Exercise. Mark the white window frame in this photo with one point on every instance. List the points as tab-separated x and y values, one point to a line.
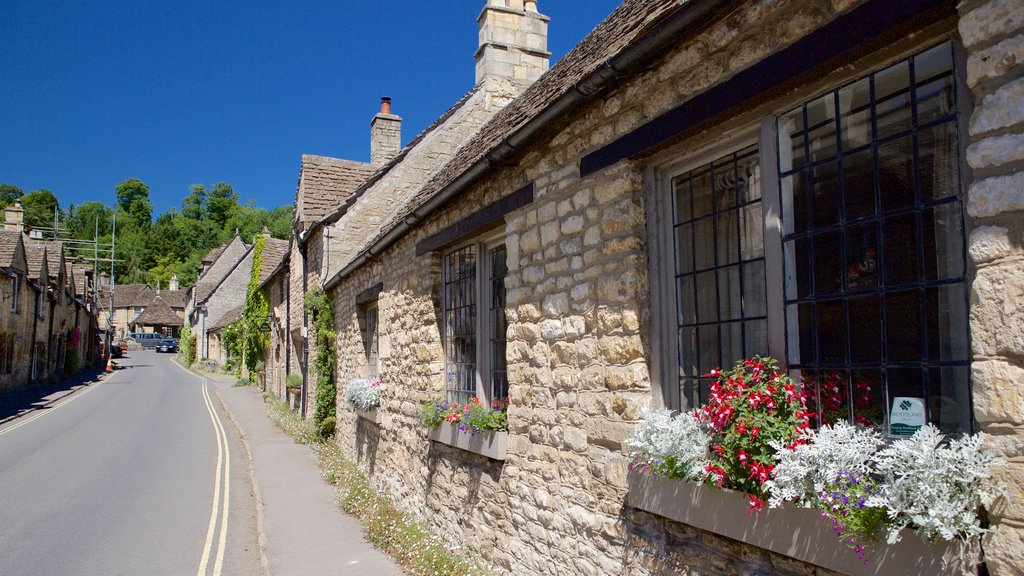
484	330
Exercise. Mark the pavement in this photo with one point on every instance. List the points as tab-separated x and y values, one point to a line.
302	530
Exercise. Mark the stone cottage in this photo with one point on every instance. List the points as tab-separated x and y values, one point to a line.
15	312
836	184
215	268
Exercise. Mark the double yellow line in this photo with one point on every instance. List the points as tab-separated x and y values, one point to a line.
221	495
59	404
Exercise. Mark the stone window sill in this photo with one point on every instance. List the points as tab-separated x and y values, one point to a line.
373	416
493	445
800	533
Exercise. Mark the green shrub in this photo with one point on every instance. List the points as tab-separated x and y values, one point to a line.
326	428
293	381
242	382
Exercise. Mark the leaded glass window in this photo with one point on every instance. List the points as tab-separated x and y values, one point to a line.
873	245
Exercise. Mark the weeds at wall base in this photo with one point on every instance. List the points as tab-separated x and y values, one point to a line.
400	534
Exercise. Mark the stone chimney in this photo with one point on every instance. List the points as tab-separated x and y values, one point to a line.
14	217
104	280
385	135
174	285
513	42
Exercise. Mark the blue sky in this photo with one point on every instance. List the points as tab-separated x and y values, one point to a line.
182	92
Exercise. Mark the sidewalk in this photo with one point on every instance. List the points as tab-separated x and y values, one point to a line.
302	529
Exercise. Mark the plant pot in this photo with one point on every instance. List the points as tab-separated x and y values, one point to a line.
800	533
493	445
369	415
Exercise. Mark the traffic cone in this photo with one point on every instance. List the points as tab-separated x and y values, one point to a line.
110	364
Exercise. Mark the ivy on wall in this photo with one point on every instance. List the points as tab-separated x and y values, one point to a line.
187	344
319	308
255	312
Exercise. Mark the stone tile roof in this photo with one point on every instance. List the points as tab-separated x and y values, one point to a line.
338	211
35	256
174	298
77	273
132	295
626	24
54	255
274	253
228	317
158	313
213	254
8	247
324	184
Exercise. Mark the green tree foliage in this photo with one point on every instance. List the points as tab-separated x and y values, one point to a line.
39	208
8	194
221	203
82	220
193	206
152	251
187	344
133	198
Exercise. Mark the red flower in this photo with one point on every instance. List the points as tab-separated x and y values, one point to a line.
756	504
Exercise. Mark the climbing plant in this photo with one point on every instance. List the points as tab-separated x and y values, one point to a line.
254	315
231	341
186	345
319	308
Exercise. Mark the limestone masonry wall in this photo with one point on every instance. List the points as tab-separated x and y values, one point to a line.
578	311
993	36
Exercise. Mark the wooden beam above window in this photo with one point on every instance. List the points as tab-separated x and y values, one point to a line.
477	221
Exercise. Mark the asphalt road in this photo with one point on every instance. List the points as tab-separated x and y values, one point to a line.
129	476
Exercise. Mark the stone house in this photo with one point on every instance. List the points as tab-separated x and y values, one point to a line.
216	351
215	268
340	202
128	302
49	333
280	358
226	295
15	312
836	184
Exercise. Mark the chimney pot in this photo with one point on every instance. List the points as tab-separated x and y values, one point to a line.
385	105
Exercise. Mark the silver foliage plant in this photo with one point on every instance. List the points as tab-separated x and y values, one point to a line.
803	473
671	445
934	486
927	482
363	393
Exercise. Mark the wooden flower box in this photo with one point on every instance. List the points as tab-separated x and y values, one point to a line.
493	445
800	533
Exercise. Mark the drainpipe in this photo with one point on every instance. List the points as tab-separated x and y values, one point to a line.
32	344
287	327
49	335
305	328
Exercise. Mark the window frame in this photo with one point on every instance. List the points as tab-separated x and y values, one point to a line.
760	128
371	349
16	293
484	331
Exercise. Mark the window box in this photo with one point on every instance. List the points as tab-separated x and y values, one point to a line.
373	416
493	445
800	533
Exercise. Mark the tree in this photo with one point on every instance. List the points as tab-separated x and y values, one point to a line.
9	193
193	206
40	206
221	203
82	220
133	198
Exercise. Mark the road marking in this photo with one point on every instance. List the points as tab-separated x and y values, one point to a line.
222	482
60	404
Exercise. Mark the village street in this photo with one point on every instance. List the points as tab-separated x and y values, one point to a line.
136	474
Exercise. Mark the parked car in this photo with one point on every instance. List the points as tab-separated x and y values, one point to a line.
146	339
167	345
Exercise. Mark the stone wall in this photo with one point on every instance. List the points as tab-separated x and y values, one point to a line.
276	355
993	35
19	327
578	352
